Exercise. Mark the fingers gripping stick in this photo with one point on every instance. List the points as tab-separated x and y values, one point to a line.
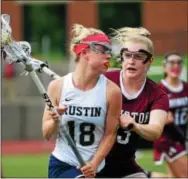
20	53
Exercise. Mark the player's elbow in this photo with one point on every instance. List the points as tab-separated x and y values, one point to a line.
46	134
157	132
156	136
153	137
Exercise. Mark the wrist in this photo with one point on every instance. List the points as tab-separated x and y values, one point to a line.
136	127
94	164
56	121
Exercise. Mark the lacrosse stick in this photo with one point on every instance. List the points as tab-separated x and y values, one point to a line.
16	54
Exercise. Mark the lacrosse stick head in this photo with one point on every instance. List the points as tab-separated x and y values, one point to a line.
10	58
11	51
6	33
37	64
6	30
25	46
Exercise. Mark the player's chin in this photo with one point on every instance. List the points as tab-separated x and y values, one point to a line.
132	75
175	75
104	69
100	69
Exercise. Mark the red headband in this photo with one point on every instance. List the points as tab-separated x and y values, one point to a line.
91	38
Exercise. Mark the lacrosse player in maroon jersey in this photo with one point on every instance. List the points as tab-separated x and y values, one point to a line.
171	145
144	106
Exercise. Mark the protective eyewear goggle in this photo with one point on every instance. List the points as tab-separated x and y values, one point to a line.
141	55
99	47
173	62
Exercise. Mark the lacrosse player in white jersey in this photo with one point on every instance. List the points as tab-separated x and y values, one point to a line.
89	105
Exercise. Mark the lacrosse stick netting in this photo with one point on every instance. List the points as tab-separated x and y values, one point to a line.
38	65
16	54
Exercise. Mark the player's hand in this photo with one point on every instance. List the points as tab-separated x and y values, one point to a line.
88	170
127	122
60	111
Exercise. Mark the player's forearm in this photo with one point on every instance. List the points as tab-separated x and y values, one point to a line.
104	148
49	128
148	131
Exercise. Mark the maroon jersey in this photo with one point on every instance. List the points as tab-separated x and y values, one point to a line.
151	97
178	105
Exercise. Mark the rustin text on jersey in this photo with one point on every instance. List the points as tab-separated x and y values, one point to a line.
83	111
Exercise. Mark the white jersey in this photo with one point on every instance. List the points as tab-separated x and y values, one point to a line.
85	119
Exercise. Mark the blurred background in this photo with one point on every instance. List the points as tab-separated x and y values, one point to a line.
46	26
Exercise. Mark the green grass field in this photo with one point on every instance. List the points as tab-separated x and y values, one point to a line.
36	165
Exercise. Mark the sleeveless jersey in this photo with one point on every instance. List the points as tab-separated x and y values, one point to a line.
178	105
85	119
151	97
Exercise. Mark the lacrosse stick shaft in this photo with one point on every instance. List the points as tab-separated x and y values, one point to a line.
40	66
50	73
42	91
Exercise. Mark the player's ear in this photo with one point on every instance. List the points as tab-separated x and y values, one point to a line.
152	59
83	53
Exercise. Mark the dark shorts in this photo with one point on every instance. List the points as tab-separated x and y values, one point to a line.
59	169
167	149
120	169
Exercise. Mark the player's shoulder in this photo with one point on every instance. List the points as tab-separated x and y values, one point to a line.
55	84
113	75
151	84
113	87
114	95
113	91
185	84
113	72
156	88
